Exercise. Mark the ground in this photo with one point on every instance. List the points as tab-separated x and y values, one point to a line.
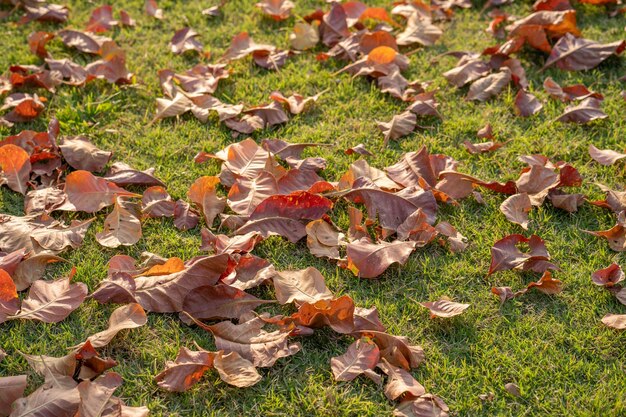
554	347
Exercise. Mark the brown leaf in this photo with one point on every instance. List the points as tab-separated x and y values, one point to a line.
219	301
242	45
395	349
547	284
609	276
370	260
156	202
57	397
419	31
11	388
506	255
323	240
276	9
37	43
203	193
166	293
122	174
428	405
537	182
526	104
476	148
152	9
616	236
129	316
415	168
567	202
334	26
97	398
90	194
260	347
52	301
399	125
224	244
304	36
303	286
101	19
458	242
57	237
361	355
9	302
489	86
235	370
16	167
585	112
32	269
392	209
400	383
184	217
338	314
575	54
83	41
185	371
281	214
605	156
121	226
81	154
358	149
555	23
444	308
616	321
185	40
467	70
296	102
516	208
513	389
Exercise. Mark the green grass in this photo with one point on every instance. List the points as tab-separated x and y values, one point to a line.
553	347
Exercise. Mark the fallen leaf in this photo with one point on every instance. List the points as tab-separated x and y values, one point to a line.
370	260
526	104
186	370
400	383
235	370
302	286
516	208
489	86
122	226
16	167
444	308
81	154
129	316
361	355
90	194
585	112
609	276
399	125
52	301
513	389
575	54
605	156
616	321
11	389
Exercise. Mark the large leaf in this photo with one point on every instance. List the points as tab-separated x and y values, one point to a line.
361	355
574	54
15	165
52	301
302	286
370	260
88	193
121	227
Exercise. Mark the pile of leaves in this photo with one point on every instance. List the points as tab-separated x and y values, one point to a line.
271	189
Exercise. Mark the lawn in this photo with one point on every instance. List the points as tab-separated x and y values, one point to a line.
553	347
